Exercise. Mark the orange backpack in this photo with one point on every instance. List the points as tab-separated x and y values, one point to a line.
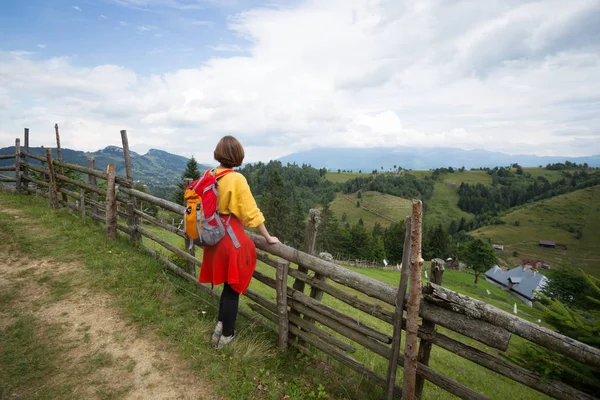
201	220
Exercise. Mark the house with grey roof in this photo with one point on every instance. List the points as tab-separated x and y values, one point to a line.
521	281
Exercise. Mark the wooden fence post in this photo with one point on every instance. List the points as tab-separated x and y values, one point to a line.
412	312
25	167
18	165
52	194
111	203
399	312
282	306
82	202
59	157
189	245
308	246
91	163
132	219
436	272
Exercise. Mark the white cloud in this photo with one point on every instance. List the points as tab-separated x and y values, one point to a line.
41	46
227	48
123	23
76	8
102	17
145	28
504	75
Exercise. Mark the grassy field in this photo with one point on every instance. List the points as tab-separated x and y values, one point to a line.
339	177
556	219
393	207
166	304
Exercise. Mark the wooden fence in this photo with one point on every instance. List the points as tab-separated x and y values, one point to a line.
302	320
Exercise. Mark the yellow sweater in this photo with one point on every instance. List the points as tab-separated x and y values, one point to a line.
236	198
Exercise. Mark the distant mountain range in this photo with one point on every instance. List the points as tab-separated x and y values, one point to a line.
420	158
155	167
158	167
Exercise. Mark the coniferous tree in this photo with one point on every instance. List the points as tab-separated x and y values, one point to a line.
276	207
191	172
393	241
328	234
297	226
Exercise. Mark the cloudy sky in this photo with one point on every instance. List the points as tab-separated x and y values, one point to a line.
289	75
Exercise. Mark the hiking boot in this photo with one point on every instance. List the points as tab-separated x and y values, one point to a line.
214	339
225	340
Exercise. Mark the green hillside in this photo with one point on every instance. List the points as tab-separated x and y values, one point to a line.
561	219
339	177
375	207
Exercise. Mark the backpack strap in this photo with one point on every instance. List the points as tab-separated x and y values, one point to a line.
222	173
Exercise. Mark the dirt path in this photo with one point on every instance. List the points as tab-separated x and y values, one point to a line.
102	354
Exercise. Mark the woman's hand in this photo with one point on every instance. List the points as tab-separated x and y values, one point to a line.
265	233
272	240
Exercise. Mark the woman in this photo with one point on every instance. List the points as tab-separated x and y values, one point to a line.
227	262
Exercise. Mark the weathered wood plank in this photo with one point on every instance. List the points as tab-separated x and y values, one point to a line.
169	246
93	184
18	165
52	195
157	222
282	306
167	205
6	156
436	274
399	311
59	159
38	182
8	168
41	159
4	178
428	373
412	311
318	307
545	337
26	150
111	203
512	371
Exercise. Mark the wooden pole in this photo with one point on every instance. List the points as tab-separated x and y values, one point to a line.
132	218
189	246
282	306
58	150
310	241
308	246
397	320
111	203
436	272
412	312
82	202
25	169
52	194
91	162
59	157
18	165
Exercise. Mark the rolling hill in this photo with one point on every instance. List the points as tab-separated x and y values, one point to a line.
572	219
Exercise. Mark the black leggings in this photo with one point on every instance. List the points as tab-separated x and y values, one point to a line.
228	309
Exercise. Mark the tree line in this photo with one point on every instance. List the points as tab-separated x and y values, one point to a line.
511	189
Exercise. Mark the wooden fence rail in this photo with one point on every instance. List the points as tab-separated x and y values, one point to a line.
303	320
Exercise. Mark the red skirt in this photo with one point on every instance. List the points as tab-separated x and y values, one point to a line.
224	263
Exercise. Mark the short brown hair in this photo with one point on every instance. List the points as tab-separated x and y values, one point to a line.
229	152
